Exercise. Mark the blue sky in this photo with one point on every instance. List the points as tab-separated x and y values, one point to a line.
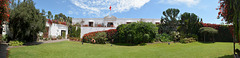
205	9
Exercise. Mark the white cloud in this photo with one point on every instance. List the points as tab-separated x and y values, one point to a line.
189	3
101	7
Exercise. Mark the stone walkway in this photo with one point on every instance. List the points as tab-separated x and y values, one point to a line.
4	46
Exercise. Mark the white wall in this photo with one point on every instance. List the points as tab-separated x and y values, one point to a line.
85	30
55	30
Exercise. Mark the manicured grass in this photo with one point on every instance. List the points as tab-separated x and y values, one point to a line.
69	49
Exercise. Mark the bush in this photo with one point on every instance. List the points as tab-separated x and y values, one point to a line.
100	38
225	32
157	38
110	34
59	37
187	40
134	33
74	31
15	43
176	35
4	37
166	38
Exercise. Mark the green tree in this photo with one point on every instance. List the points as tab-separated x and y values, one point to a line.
170	19
189	23
43	12
56	17
26	21
50	16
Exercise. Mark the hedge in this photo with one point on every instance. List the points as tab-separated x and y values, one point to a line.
136	33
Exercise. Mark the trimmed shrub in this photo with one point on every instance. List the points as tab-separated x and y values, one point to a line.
110	34
15	43
166	38
157	38
99	38
94	36
187	40
135	33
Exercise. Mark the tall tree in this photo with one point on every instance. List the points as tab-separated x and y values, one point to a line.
50	16
26	21
170	19
189	23
43	12
56	17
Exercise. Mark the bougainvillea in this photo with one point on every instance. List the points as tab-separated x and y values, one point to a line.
216	26
55	21
230	11
89	36
4	10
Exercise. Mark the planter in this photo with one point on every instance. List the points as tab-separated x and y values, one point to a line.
54	38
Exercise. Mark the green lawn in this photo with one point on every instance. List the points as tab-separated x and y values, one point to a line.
69	49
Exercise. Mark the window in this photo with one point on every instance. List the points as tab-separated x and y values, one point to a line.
129	22
90	24
110	24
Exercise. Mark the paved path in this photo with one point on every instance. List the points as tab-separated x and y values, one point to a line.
4	47
3	50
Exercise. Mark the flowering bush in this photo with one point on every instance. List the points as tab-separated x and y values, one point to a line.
216	26
91	37
4	10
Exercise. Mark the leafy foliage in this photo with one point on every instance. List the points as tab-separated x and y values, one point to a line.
208	31
170	20
229	10
4	10
189	23
136	33
176	35
225	32
187	40
15	43
100	38
74	31
26	21
166	38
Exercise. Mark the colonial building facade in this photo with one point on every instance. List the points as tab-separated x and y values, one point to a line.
108	22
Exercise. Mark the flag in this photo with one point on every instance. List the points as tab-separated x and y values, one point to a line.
110	8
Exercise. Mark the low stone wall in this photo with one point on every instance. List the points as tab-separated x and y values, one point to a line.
85	30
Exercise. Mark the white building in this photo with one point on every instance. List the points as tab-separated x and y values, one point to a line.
55	29
106	23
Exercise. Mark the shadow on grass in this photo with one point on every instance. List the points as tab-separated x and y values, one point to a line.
33	43
128	44
207	42
227	56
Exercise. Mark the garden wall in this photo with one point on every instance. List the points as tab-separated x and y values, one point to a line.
85	30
